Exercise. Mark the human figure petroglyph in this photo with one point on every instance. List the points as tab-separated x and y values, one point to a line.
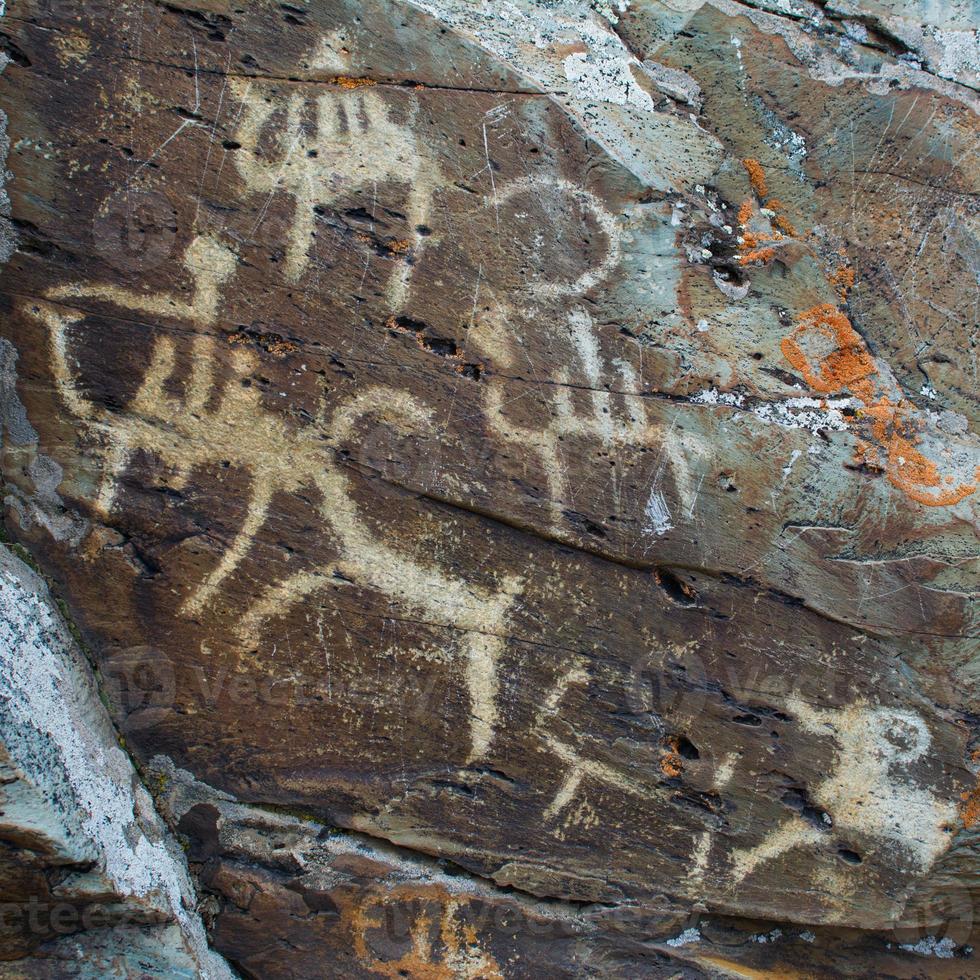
616	415
340	141
228	423
603	423
210	265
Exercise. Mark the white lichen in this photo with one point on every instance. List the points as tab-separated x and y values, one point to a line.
943	948
60	739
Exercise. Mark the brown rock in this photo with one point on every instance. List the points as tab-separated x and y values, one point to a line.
512	468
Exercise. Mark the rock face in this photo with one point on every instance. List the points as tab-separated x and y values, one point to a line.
514	469
84	850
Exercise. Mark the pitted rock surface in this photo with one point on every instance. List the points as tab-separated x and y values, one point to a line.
514	467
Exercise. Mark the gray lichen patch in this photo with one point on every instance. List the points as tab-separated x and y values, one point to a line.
34	498
69	792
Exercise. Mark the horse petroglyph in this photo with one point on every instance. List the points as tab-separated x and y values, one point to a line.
329	146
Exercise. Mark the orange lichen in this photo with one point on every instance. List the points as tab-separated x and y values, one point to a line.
907	468
866	454
914	471
685	588
745	213
751	242
752	239
346	81
399	246
757	255
431	345
832	357
670	762
784	225
970	810
842	279
280	348
270	342
780	220
848	365
757	177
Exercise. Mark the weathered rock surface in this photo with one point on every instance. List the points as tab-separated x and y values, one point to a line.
515	468
83	849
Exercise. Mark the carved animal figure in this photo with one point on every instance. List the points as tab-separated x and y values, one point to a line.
189	433
329	146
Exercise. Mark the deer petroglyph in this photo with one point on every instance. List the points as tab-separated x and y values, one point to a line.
228	422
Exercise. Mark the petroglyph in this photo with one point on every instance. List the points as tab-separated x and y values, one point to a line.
210	265
616	415
587	202
228	423
614	419
618	420
868	791
578	767
699	859
421	589
330	146
187	434
483	476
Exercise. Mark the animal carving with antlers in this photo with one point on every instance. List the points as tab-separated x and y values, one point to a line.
187	434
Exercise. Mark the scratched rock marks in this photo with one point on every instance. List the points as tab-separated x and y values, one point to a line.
515	470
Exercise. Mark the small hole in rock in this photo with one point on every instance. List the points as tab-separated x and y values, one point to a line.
680	592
